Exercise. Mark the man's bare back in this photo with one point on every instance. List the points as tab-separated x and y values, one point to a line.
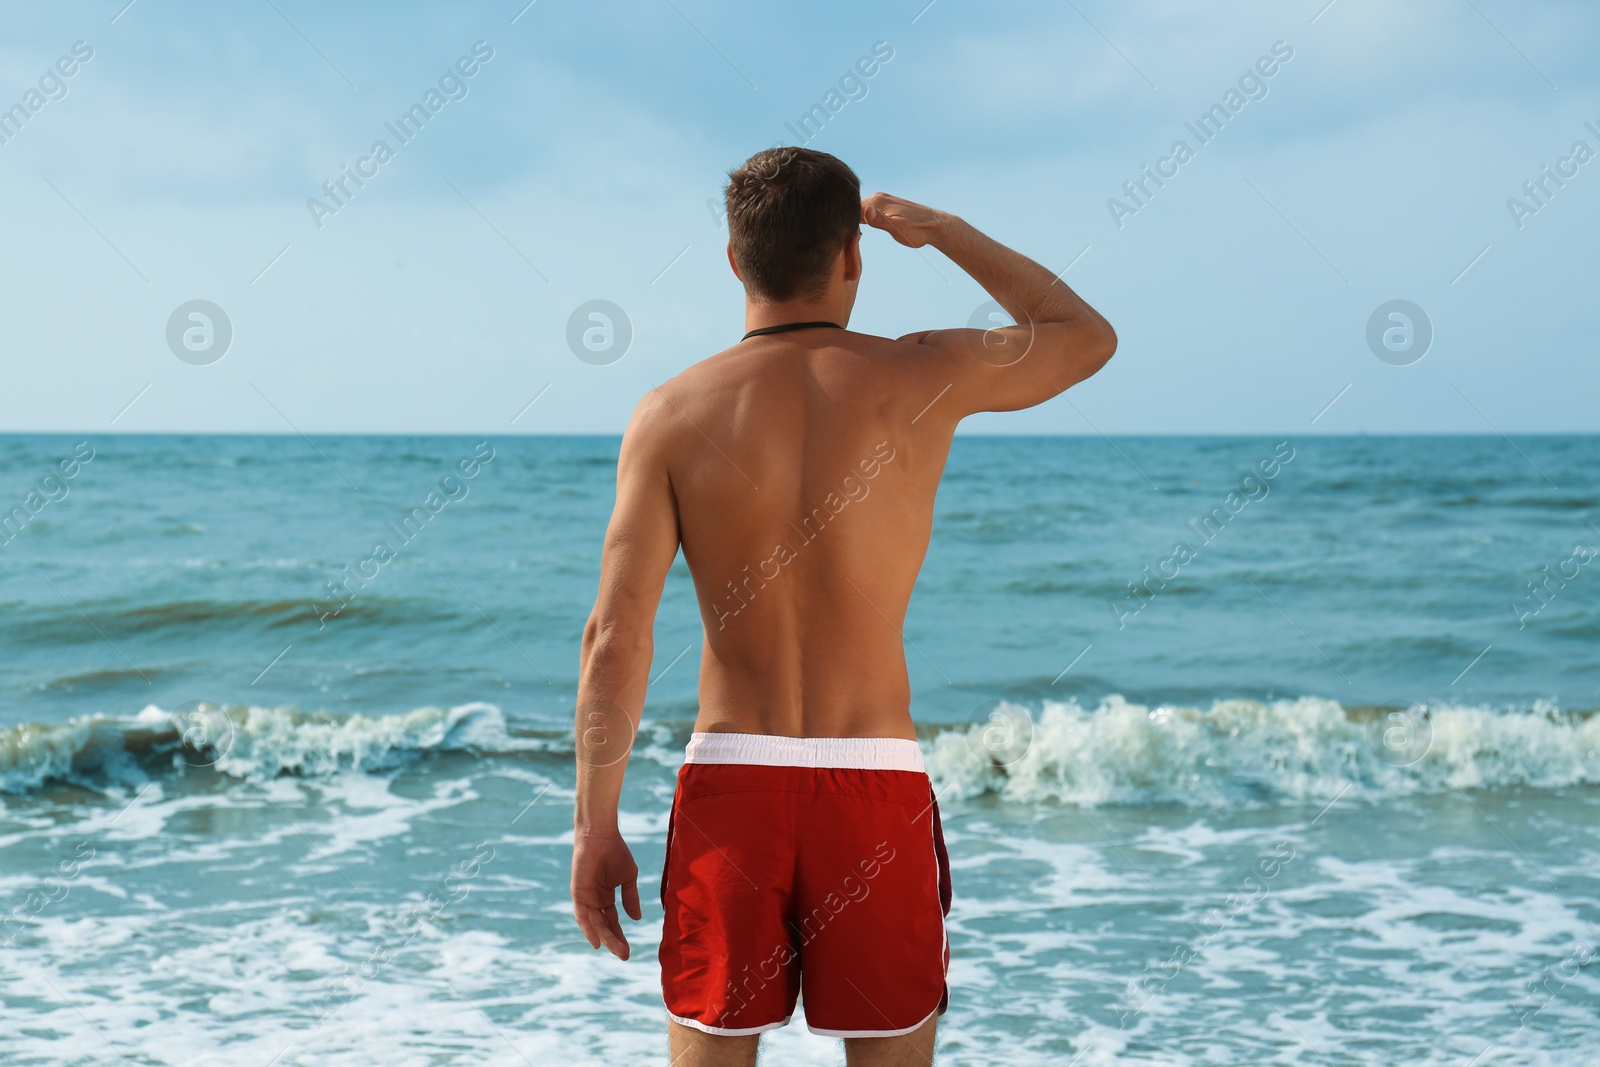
797	472
805	484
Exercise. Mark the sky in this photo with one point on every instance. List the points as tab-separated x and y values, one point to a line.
583	157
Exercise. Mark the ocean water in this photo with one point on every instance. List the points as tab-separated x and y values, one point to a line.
1272	751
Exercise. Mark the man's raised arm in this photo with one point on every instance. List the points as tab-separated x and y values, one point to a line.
1059	340
614	669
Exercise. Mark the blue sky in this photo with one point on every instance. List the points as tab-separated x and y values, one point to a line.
579	162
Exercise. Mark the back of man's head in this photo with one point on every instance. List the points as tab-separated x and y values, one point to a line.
790	210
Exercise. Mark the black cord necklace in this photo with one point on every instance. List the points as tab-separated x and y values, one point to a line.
785	327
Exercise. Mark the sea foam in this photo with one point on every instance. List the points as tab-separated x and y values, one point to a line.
1119	752
1247	750
244	741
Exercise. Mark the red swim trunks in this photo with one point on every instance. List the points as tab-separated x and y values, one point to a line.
804	864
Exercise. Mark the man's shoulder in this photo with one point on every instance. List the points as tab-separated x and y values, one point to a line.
912	350
654	417
674	407
880	344
711	383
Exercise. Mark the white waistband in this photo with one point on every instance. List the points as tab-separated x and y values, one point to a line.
771	750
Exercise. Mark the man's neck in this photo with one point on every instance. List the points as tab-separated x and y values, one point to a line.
759	316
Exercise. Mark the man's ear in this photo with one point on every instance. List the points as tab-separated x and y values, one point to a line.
734	266
852	257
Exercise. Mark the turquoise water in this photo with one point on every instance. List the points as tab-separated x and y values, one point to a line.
1321	787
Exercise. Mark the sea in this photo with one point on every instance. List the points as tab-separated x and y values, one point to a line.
1265	750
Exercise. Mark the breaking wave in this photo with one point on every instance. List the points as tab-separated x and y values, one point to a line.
1117	753
245	742
1252	751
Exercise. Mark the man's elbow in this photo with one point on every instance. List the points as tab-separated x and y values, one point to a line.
611	638
1102	346
1089	346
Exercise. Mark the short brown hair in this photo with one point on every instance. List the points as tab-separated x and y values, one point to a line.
789	211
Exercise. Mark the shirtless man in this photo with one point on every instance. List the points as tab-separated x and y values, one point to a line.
797	471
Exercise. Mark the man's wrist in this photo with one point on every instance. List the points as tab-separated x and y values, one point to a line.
948	231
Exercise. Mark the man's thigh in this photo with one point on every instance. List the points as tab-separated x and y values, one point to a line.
696	1048
908	1050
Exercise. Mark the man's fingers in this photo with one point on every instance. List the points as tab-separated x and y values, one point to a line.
878	220
906	230
586	924
872	210
611	933
597	872
600	927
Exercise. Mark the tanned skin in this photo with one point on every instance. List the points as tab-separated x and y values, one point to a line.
728	461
